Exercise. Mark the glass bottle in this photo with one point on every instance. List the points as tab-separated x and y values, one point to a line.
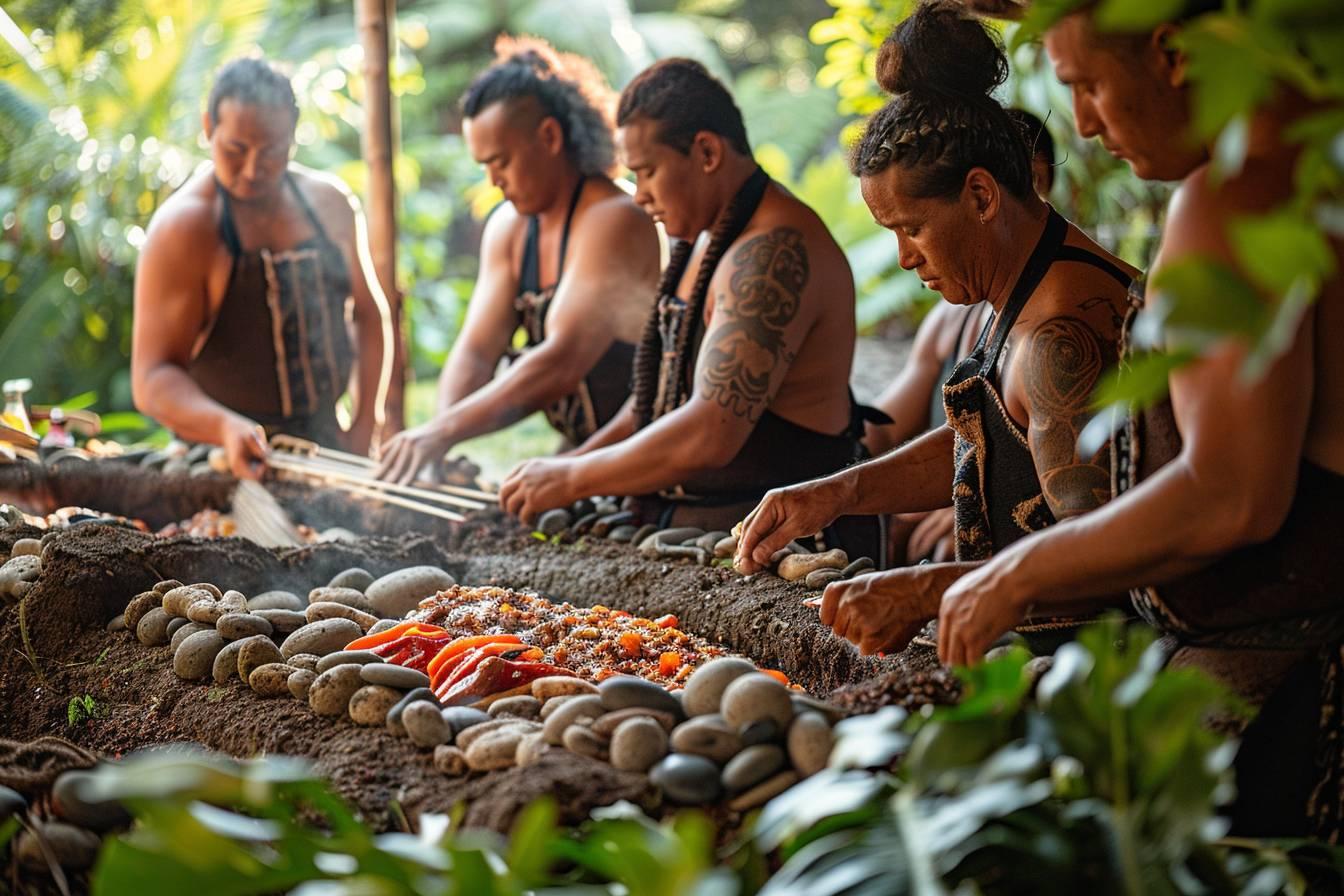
15	414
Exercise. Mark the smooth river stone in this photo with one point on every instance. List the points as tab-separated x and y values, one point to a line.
688	780
705	687
232	626
464	717
340	657
394	714
708	736
637	744
391	676
552	686
370	704
583	706
299	682
255	652
195	656
141	604
326	609
321	638
68	801
271	679
764	791
152	629
810	740
282	621
225	665
331	691
752	766
523	706
183	632
398	593
425	725
755	698
625	691
355	577
347	596
276	600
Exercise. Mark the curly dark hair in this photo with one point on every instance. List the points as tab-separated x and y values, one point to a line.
253	82
943	68
684	99
566	87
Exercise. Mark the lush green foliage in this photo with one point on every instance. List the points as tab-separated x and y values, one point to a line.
1106	781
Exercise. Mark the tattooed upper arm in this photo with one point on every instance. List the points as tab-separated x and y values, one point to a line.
747	348
1063	361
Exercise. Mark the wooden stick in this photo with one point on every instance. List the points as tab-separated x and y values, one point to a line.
401	502
359	485
314	450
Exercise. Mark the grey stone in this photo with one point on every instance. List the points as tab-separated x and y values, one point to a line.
756	697
761	731
463	717
284	622
321	638
637	744
764	792
117	623
370	704
705	687
818	579
708	736
300	681
752	766
425	725
276	600
232	626
195	656
523	706
581	739
623	691
74	848
346	596
606	725
71	804
355	577
553	522
340	657
391	676
398	593
175	624
394	714
584	706
810	740
225	665
686	779
255	651
331	691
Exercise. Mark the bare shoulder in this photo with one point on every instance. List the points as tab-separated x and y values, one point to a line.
503	232
331	198
614	217
1203	206
188	221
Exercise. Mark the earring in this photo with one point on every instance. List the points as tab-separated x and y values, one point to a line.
982	218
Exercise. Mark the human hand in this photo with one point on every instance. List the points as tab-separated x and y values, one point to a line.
975	611
928	532
783	515
245	447
882	611
406	454
536	486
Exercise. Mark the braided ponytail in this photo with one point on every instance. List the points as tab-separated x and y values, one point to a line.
649	376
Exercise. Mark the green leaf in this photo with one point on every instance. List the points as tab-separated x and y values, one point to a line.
1206	299
1130	15
1280	248
1141	382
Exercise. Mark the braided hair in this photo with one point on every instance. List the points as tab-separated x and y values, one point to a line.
648	375
943	121
566	87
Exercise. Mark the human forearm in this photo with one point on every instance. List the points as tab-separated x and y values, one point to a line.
168	395
466	372
618	429
914	478
657	457
534	382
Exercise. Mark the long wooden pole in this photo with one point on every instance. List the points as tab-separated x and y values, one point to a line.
374	20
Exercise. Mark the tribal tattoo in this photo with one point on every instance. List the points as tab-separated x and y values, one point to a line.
764	295
1065	357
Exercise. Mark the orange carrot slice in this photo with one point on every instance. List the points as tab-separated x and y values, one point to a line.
777	676
396	631
459	646
669	661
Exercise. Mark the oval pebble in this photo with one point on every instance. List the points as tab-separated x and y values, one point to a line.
463	717
117	623
581	739
321	638
685	779
276	600
381	626
394	714
328	610
347	596
725	547
300	681
370	704
624	691
425	725
494	751
141	604
450	760
304	661
797	566
165	586
331	691
553	522
183	632
708	736
341	657
523	706
622	534
256	651
761	731
754	698
608	723
752	766
355	577
586	705
74	848
70	803
232	626
705	687
560	686
195	656
179	600
176	623
764	791
392	676
863	564
225	665
271	679
809	741
820	578
11	803
284	622
398	593
26	547
152	629
637	744
531	746
476	732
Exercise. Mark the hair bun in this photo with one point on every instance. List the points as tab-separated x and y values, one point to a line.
940	49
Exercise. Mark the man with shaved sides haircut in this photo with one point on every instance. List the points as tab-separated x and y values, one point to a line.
742	376
254	303
568	258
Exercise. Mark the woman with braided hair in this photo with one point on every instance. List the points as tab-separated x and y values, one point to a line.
540	123
742	377
944	167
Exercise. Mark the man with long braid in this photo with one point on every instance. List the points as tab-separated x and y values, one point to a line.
742	377
567	257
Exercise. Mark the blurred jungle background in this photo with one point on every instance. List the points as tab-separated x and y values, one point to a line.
100	104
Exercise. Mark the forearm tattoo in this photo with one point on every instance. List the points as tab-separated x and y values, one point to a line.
1065	357
764	295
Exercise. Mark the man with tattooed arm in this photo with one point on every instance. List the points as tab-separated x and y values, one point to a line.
741	378
944	167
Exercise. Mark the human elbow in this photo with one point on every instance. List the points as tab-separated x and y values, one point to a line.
1243	513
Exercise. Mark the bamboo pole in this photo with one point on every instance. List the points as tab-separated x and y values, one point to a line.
374	20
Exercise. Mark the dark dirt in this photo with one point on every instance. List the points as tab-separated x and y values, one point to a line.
93	569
